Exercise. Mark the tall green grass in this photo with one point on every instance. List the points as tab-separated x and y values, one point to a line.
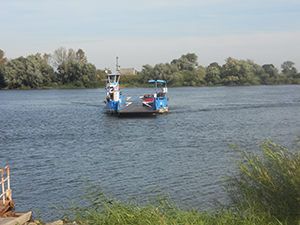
264	190
104	209
268	185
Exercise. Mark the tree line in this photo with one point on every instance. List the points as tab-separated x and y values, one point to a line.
64	68
69	68
185	71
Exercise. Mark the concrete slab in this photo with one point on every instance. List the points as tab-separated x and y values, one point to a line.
59	222
23	218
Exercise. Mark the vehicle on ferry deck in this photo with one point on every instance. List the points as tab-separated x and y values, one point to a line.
148	99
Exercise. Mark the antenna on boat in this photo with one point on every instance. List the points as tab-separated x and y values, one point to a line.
117	65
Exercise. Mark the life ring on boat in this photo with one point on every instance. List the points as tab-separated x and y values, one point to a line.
119	87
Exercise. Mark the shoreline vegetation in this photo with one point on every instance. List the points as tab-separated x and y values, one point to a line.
70	69
265	189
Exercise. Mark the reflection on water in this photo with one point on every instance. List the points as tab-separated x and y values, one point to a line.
53	138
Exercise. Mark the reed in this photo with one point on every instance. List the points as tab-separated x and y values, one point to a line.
101	208
268	185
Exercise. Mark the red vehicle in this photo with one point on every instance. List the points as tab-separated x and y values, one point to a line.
148	99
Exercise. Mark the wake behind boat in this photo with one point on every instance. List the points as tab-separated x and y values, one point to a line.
149	104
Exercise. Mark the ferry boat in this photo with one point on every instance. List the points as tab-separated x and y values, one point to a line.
149	104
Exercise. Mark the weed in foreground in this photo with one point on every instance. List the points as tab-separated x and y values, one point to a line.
268	185
101	208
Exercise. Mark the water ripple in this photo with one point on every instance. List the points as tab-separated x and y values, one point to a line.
53	138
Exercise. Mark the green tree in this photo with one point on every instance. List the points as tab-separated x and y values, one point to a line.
147	73
14	72
194	78
271	70
3	60
288	69
271	75
76	73
31	72
213	74
159	71
200	75
257	72
237	72
191	57
183	64
184	69
167	72
47	58
2	82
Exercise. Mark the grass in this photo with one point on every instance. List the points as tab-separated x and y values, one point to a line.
103	209
268	184
265	190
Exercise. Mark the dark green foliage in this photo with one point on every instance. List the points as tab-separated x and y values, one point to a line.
2	83
131	80
270	70
288	69
238	72
213	74
182	71
35	71
3	61
31	72
78	73
191	57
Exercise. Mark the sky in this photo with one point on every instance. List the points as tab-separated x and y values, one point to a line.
150	32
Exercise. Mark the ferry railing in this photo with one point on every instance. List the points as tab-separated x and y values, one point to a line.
6	194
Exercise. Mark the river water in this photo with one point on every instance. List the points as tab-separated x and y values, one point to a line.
52	138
